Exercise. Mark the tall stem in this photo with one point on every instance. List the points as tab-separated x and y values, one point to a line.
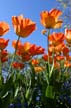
1	78
17	45
14	54
48	40
48	64
0	63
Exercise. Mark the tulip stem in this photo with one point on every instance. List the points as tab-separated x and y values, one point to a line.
14	54
16	46
48	40
0	62
0	67
48	51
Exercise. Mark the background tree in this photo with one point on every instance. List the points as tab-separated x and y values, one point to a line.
65	5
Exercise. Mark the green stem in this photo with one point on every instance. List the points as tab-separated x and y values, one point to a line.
0	63
14	54
48	40
52	67
1	78
48	51
17	45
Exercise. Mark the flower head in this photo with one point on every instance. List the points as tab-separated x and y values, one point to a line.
25	57
36	50
4	28
35	62
3	56
50	19
23	26
39	69
22	48
44	32
18	65
65	50
56	38
3	43
68	35
67	64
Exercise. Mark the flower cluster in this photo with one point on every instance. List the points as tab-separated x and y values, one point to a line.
34	75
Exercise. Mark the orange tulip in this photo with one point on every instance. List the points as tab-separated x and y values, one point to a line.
51	49
65	50
35	62
14	42
4	53
27	50
68	57
59	57
4	28
57	65
56	49
17	65
67	64
3	43
59	48
4	59
3	56
23	48
68	35
45	58
23	26
25	57
56	38
44	32
50	19
36	50
39	69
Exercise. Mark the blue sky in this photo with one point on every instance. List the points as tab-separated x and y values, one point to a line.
30	9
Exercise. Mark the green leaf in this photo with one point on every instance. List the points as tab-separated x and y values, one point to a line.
6	87
51	71
50	92
27	93
16	92
6	101
48	67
